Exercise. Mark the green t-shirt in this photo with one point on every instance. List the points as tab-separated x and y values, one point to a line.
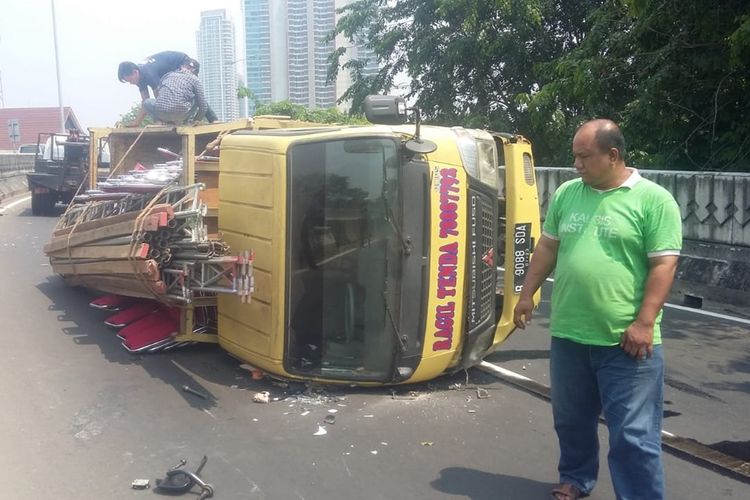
606	239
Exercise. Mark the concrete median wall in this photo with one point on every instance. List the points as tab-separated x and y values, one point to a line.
715	209
13	170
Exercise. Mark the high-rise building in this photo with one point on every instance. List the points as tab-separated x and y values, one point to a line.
216	54
258	48
287	50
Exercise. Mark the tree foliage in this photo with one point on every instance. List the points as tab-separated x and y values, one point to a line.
299	112
674	73
132	114
243	91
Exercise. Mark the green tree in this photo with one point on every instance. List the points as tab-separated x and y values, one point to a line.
243	91
467	61
299	112
674	73
130	116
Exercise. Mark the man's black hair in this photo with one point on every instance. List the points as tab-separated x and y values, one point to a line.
610	136
125	69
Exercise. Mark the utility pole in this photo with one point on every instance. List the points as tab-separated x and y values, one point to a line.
2	100
57	67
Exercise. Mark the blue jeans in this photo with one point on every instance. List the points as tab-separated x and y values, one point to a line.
589	380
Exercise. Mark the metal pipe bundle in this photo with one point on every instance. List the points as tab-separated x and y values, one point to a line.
147	245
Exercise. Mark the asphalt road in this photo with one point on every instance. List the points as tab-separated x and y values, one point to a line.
81	418
707	378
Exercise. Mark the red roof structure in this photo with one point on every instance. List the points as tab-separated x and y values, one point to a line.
32	121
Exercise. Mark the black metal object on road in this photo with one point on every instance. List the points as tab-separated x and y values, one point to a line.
180	480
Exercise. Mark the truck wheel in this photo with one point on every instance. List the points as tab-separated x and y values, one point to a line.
36	203
43	203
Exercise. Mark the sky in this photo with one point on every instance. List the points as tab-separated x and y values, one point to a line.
93	37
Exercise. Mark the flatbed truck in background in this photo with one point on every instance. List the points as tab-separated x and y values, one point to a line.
61	164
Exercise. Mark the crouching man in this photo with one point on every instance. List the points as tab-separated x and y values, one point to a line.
180	99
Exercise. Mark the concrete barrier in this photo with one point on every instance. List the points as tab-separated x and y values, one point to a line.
713	271
13	170
715	210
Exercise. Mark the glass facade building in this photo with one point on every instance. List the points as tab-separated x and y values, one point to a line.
216	54
287	52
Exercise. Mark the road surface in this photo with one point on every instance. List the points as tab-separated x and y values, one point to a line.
82	418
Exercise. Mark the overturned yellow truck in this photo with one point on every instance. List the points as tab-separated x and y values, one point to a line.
383	254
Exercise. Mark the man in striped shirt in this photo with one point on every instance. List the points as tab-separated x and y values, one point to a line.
180	99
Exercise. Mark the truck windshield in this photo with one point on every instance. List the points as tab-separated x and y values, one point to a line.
344	258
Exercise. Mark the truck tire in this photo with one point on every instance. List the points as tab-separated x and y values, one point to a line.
43	203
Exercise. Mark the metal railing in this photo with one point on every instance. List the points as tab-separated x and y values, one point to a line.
715	206
14	163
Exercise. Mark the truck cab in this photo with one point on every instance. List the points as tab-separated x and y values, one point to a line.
376	247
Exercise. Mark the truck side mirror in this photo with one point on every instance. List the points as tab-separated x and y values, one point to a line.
385	109
391	110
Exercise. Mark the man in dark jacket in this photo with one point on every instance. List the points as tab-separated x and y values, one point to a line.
149	74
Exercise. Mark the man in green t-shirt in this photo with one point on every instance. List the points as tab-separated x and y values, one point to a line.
613	239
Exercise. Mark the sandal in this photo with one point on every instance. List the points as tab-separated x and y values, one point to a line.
565	491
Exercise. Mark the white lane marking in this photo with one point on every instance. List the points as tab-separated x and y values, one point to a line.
709	313
504	372
691	309
11	205
512	376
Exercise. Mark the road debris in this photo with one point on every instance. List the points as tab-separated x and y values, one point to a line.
180	480
482	393
140	484
315	396
410	396
330	419
427	443
263	397
192	391
321	431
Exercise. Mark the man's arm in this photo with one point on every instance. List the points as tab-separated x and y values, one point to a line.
638	338
200	99
542	263
136	122
145	95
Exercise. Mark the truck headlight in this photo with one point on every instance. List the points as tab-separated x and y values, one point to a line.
478	155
